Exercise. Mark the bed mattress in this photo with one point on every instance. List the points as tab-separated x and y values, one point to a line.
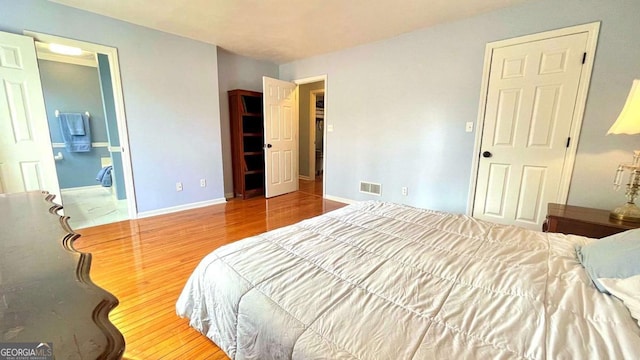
376	280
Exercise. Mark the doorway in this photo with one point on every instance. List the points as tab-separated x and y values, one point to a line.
312	144
292	121
90	177
317	133
96	185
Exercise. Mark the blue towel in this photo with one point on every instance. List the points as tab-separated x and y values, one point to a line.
104	176
75	143
74	122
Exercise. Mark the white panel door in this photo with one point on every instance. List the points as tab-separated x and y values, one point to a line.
530	103
280	136
26	156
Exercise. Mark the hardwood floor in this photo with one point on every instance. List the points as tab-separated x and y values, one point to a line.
311	187
146	262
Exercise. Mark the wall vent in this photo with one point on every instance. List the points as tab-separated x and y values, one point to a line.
370	188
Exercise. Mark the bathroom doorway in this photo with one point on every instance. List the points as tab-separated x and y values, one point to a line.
78	82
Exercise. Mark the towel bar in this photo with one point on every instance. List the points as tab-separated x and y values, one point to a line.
57	112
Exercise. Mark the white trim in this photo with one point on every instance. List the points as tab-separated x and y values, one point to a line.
339	199
93	144
118	97
173	209
593	30
229	195
312	79
80	188
306	178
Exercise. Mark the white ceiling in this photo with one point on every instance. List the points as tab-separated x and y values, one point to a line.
285	30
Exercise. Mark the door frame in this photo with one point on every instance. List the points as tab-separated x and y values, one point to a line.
309	80
121	120
592	29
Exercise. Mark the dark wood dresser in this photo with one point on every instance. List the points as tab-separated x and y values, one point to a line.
45	290
594	223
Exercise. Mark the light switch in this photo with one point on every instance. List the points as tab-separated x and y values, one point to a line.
469	127
330	128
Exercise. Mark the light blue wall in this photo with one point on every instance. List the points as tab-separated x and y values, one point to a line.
237	72
170	89
111	121
399	106
74	88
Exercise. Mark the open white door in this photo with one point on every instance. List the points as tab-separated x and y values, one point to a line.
26	155
280	136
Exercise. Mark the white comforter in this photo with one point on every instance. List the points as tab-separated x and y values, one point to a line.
384	281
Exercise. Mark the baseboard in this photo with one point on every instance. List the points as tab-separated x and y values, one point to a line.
304	177
79	188
339	199
173	209
229	195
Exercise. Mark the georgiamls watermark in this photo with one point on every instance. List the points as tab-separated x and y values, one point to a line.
26	351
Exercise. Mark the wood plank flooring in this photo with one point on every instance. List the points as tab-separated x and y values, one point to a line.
145	264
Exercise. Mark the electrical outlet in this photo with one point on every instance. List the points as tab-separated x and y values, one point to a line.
203	182
469	126
405	191
178	186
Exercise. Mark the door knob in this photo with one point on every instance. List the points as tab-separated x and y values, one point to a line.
487	154
268	146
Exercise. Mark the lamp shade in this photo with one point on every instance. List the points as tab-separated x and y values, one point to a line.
628	121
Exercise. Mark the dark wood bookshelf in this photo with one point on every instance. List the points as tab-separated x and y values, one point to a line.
247	141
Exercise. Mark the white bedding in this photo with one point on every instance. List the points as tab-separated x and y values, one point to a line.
385	281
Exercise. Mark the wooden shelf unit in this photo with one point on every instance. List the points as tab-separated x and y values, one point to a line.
247	142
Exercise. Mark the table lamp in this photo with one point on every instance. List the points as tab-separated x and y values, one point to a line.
628	122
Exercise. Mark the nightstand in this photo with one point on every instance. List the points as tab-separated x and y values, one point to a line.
594	223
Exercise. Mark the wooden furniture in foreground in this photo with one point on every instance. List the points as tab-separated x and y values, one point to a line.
594	223
47	295
247	141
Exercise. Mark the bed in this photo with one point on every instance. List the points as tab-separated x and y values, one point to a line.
376	280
